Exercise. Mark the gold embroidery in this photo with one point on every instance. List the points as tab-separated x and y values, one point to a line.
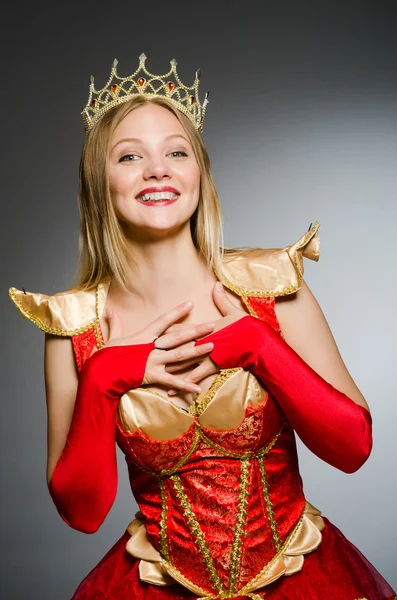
269	506
204	398
197	534
180	463
252	454
163	521
98	329
240	522
259	575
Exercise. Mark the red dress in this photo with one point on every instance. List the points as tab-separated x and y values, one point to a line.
222	508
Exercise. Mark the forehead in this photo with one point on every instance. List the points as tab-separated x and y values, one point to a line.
149	120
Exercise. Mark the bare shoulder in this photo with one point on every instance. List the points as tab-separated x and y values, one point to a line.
307	331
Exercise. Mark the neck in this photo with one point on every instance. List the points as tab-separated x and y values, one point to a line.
166	271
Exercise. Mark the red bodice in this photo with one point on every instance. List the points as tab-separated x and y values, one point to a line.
220	505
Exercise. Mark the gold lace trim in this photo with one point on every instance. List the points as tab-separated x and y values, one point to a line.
222	594
251	454
163	521
240	522
244	293
259	575
199	434
46	328
197	534
269	505
204	398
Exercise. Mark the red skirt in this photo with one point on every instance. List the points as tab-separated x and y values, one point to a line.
335	571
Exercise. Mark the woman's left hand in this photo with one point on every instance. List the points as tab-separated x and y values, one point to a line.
230	314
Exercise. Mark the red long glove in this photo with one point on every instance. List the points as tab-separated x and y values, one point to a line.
84	482
329	423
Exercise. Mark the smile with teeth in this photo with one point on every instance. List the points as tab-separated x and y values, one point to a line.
158	196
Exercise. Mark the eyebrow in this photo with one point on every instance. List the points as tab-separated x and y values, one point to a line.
139	141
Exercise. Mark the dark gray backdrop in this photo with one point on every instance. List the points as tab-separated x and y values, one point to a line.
301	126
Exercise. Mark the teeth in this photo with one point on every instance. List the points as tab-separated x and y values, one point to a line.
154	196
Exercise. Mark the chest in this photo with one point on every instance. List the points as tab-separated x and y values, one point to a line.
88	342
132	318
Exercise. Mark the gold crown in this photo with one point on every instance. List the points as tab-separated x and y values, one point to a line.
120	89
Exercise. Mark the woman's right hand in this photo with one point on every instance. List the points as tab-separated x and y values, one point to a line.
169	347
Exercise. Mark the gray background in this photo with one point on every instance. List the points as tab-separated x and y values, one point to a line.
301	126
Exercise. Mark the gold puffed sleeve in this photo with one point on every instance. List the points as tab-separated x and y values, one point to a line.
264	272
66	313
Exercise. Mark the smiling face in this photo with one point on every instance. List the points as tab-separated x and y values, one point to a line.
154	177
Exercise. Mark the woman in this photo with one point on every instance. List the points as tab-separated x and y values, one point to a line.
200	384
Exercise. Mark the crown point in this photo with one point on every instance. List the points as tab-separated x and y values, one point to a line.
91	79
173	63
115	63
143	57
198	73
206	95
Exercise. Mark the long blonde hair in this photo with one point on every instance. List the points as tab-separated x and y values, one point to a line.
103	246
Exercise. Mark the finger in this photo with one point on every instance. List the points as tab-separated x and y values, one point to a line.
171	381
222	301
184	335
116	329
203	370
180	354
159	325
172	368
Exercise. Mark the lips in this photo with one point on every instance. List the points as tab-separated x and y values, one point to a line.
161	188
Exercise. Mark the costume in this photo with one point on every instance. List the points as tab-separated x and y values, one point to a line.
222	508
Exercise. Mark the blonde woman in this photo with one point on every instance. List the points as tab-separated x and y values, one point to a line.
201	364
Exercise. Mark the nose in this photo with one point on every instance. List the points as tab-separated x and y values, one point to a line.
156	167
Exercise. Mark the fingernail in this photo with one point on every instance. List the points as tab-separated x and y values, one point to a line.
195	388
109	313
209	325
208	346
171	392
218	286
187	304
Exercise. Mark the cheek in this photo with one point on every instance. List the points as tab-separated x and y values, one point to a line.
121	181
194	178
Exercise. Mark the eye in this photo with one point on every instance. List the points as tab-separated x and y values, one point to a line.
178	152
128	156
